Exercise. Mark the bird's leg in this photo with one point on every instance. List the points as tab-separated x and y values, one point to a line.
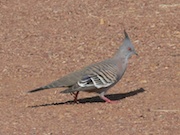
106	99
75	94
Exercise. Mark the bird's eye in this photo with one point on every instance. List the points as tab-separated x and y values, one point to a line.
129	49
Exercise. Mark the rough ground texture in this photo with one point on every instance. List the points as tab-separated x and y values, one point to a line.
43	40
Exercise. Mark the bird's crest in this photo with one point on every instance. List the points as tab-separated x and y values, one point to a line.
126	35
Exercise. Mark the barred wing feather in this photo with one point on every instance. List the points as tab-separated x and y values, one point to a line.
95	80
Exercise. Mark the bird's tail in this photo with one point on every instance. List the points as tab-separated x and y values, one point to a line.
55	84
66	91
39	89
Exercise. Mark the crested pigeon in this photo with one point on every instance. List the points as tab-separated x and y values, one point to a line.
98	77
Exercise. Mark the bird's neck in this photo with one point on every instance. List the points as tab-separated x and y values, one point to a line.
121	61
119	56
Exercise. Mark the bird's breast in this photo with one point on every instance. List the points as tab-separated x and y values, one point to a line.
121	70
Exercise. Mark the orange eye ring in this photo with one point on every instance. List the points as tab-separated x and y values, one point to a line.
129	49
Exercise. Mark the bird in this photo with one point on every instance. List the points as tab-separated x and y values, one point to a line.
98	77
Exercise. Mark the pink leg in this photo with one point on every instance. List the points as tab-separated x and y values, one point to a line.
106	99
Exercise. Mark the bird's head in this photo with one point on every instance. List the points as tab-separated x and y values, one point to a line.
126	49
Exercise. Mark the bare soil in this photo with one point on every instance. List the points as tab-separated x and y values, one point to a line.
41	41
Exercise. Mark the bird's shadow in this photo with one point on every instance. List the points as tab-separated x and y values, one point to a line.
96	99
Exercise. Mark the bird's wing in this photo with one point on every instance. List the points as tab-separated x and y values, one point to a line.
96	81
88	83
95	77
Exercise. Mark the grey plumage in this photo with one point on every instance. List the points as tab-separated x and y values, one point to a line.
98	77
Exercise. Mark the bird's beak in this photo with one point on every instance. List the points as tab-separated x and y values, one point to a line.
136	53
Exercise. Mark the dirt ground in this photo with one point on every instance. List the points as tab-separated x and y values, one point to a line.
43	40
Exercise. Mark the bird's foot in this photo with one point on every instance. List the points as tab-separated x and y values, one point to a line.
111	102
108	100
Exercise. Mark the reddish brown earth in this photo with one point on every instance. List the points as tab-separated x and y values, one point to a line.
41	41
